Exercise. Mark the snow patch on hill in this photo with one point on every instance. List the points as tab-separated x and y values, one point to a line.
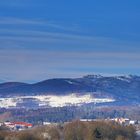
52	100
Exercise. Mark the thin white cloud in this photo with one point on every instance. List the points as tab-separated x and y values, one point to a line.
36	22
10	21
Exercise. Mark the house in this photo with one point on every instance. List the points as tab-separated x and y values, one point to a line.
46	123
133	122
121	120
86	120
18	125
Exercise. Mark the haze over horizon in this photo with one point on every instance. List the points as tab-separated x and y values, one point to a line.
50	39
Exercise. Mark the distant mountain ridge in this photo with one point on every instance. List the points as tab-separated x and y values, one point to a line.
119	87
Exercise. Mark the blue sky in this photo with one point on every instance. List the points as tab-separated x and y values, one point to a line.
41	39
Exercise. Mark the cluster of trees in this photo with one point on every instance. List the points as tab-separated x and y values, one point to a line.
98	131
39	133
75	130
63	114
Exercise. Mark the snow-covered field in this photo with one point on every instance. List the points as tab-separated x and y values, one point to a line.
51	100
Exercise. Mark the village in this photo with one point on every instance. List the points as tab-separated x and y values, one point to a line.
19	126
16	126
122	121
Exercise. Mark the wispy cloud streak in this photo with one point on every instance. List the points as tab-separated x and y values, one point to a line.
36	22
28	53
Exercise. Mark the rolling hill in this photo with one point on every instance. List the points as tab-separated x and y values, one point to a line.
126	88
